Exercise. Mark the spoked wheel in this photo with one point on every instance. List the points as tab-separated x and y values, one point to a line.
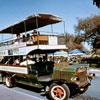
8	82
59	92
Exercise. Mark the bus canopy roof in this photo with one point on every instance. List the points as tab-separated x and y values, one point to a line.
32	22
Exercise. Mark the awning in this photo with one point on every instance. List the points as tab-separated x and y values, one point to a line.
59	53
76	52
32	22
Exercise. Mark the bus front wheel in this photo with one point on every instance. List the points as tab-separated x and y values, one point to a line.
59	92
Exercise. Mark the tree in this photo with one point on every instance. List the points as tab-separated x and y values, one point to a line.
73	42
89	30
97	3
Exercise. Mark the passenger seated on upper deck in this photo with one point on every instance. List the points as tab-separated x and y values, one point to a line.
29	39
27	61
18	35
35	33
16	41
24	38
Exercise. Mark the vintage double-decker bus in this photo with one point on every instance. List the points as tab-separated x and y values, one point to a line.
24	59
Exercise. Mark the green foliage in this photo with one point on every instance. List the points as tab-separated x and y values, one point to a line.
94	61
89	29
74	42
97	3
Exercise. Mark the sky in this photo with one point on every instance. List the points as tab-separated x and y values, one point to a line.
12	11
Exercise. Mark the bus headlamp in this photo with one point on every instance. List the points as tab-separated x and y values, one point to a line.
74	79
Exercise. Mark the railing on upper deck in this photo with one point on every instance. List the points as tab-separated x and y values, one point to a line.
29	39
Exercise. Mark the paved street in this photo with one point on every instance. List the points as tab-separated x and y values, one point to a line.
18	93
21	92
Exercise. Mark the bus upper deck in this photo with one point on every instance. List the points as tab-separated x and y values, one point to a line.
32	22
25	43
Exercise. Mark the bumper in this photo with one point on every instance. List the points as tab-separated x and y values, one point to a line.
83	84
79	83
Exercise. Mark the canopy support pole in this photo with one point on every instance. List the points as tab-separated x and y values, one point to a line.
52	29
25	26
12	41
37	32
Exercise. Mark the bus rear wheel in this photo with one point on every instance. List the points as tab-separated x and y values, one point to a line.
8	82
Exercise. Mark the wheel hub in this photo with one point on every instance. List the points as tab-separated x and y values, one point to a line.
58	92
